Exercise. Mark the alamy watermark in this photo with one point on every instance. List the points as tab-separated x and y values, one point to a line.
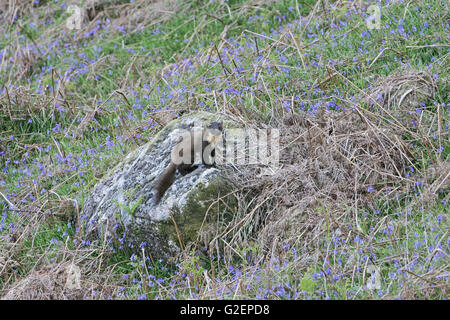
373	281
238	147
75	18
374	19
73	280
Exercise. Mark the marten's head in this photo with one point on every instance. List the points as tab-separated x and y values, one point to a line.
213	132
216	125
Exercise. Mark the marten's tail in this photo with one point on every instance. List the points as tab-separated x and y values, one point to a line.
164	181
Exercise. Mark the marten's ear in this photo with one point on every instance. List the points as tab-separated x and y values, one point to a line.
220	126
216	125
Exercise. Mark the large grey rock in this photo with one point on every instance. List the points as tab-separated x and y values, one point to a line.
122	203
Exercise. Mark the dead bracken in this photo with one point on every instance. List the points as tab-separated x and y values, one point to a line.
330	162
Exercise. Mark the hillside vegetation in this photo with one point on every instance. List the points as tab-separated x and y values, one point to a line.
359	208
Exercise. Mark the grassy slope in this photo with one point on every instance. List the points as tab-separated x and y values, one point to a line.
53	150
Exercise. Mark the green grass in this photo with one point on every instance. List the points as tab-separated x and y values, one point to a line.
133	63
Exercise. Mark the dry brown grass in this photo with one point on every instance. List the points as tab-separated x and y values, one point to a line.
400	94
403	89
133	16
335	164
329	163
76	277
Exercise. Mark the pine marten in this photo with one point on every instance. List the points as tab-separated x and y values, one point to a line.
194	143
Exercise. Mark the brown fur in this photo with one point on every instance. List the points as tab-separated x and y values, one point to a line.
166	179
